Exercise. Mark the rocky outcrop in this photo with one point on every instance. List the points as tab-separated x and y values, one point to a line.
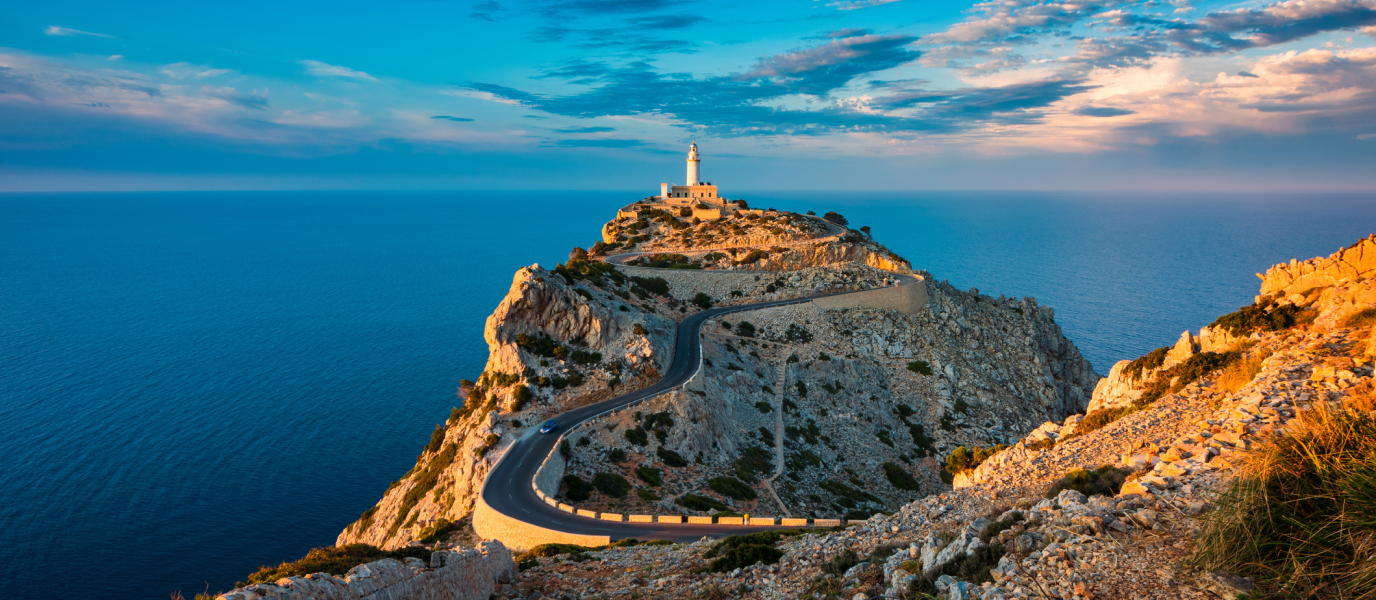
1353	262
471	574
541	303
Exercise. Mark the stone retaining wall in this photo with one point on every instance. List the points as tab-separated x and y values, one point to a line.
470	574
520	536
909	299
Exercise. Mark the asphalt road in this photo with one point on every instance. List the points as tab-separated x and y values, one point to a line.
508	489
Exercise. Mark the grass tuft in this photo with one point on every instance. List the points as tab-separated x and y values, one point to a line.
1301	517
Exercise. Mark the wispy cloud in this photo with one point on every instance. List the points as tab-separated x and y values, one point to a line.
183	70
858	4
67	32
598	143
485	11
257	100
320	69
449	118
586	130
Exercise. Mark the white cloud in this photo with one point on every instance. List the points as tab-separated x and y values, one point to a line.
115	57
66	32
320	69
858	4
183	70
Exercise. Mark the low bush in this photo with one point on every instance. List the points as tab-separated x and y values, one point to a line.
920	367
702	300
547	550
745	329
836	218
670	458
650	475
753	461
739	551
1148	361
522	398
841	562
732	488
900	478
1103	481
764	407
616	455
1301	517
1363	318
576	489
797	335
611	484
974	568
439	531
436	438
1265	315
655	285
699	503
965	459
335	560
638	436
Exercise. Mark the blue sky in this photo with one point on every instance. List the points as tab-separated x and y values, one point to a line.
606	94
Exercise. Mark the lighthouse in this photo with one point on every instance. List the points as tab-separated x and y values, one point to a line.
694	176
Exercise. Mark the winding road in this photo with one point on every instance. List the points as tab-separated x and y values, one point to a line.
508	490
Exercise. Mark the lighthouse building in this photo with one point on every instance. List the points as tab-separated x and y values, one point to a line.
699	197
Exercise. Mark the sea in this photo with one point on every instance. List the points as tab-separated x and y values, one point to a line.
193	385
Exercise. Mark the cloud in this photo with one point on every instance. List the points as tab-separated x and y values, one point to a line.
65	32
1290	20
183	70
485	11
820	69
586	130
255	101
320	69
1101	111
858	4
455	119
598	143
600	7
661	22
1002	20
838	33
115	57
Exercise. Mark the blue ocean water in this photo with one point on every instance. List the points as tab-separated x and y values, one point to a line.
196	384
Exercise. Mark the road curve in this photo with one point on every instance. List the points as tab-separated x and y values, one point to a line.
508	490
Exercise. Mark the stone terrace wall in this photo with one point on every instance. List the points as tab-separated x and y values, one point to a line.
467	575
551	473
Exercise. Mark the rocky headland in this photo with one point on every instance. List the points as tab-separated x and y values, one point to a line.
971	449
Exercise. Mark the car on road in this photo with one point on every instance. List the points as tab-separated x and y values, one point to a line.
549	426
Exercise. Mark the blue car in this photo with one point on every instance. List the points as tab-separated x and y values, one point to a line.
549	426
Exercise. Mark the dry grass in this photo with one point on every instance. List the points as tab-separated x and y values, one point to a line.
1242	372
1301	518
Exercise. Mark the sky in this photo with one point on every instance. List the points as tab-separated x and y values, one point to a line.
607	94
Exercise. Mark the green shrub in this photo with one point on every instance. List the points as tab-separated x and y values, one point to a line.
1103	481
1151	360
436	438
655	285
670	458
764	407
836	218
801	387
523	397
841	562
616	455
637	436
1266	315
745	329
576	489
335	560
753	257
732	488
884	438
740	551
797	335
650	475
900	478
540	345
699	503
583	357
547	550
611	484
964	459
753	461
647	495
847	492
702	300
920	367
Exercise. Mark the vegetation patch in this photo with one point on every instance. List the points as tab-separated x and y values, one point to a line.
764	407
797	335
1103	481
650	475
739	551
699	503
732	488
658	286
576	489
335	560
753	461
920	367
424	482
611	484
1266	315
1301	518
900	478
670	458
637	436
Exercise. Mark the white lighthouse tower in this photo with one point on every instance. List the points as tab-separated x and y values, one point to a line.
694	176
